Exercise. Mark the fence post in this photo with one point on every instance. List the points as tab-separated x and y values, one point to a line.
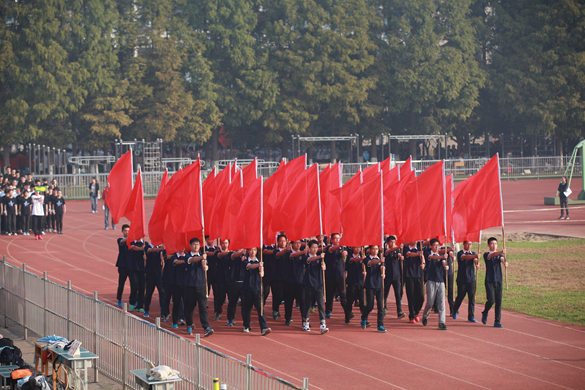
305	383
157	343
198	344
69	310
95	334
24	300
124	342
248	372
45	276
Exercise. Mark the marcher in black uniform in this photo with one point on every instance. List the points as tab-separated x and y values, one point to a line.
467	262
393	260
59	209
9	208
335	274
222	276
563	186
137	262
279	277
49	212
374	285
414	263
493	281
354	281
155	259
178	285
122	263
210	249
168	270
293	287
312	284
268	261
24	211
235	283
195	292
435	278
251	292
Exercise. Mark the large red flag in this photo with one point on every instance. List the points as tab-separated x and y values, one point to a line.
397	201
448	210
223	181
120	179
292	170
250	171
478	201
209	191
361	215
232	203
184	205
342	194
423	202
248	223
271	188
406	168
174	242
371	171
391	200
329	181
302	206
136	217
156	225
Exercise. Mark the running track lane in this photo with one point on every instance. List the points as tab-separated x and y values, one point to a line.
528	352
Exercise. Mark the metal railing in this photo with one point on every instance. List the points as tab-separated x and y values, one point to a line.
122	341
76	186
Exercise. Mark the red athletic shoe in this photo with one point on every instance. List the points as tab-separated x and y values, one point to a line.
36	237
412	321
40	237
417	318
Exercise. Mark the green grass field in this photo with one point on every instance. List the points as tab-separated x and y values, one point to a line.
545	279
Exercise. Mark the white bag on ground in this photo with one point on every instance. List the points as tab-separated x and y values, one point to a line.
161	373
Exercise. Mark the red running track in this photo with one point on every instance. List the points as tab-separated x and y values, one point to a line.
528	353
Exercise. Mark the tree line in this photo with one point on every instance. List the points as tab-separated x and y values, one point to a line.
87	72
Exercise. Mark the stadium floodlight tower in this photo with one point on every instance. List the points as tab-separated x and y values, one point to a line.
571	166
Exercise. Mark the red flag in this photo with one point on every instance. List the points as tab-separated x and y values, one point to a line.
184	205
423	202
302	206
232	203
293	169
330	180
156	225
250	172
120	179
209	191
223	181
137	223
406	168
391	201
361	214
371	171
271	189
174	242
342	194
385	166
448	211
247	232
398	200
478	201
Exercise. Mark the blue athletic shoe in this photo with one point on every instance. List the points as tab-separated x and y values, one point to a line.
208	332
472	320
381	329
230	323
484	317
131	308
363	324
454	315
328	315
275	315
189	331
175	326
146	314
498	325
119	303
